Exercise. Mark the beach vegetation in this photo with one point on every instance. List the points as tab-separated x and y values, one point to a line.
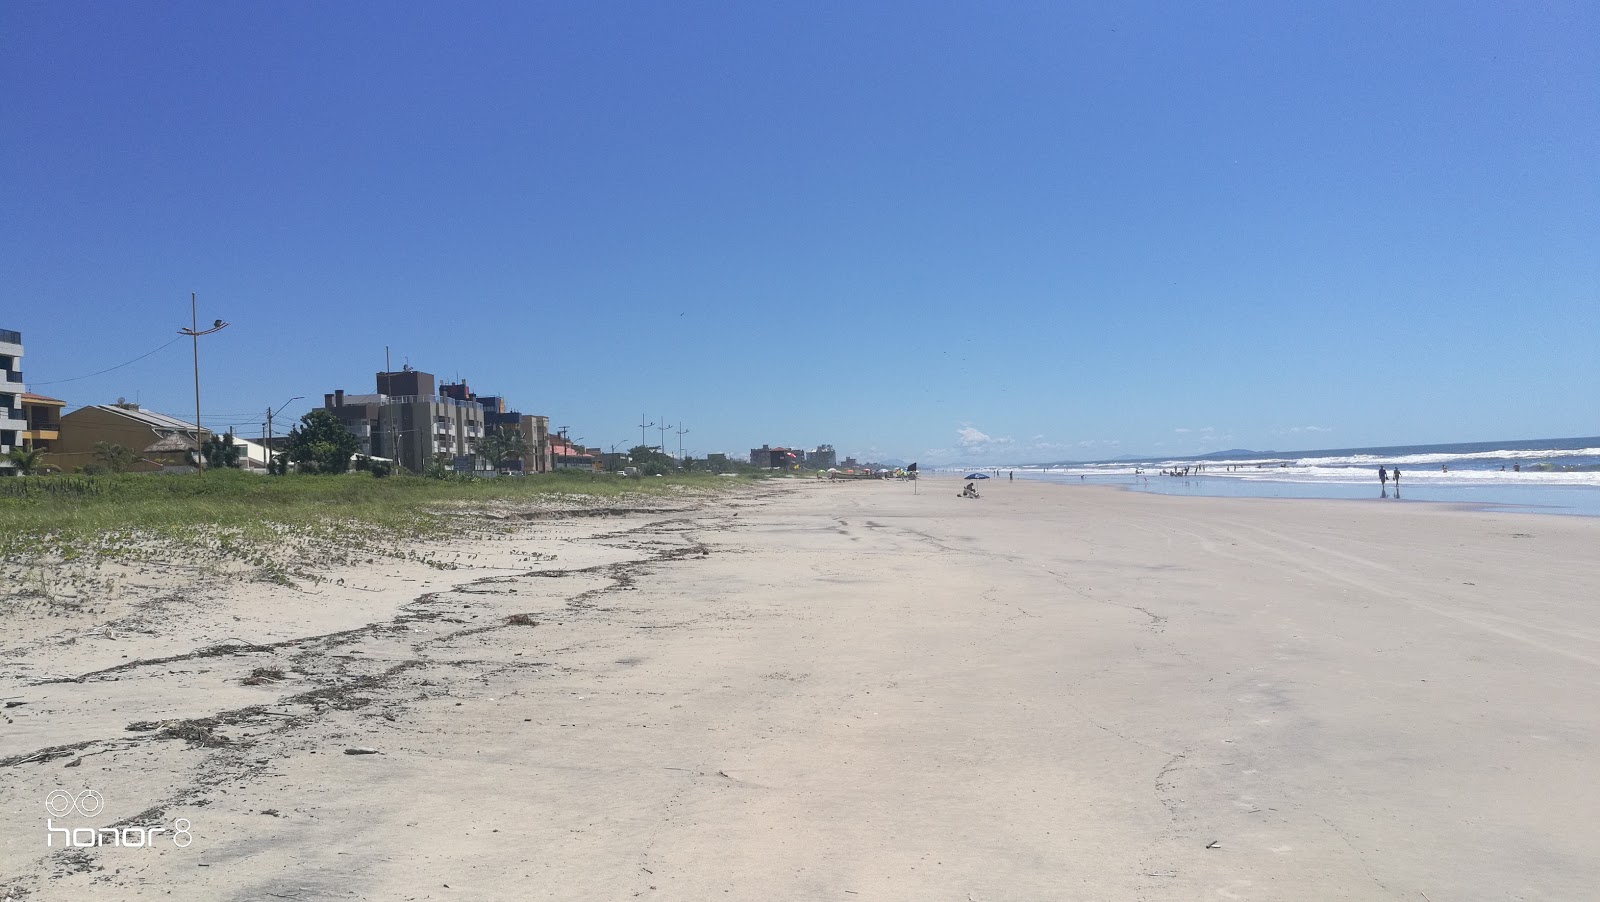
652	461
281	530
111	458
220	451
27	461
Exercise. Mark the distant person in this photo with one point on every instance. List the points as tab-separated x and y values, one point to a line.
1396	476
1011	476
1383	477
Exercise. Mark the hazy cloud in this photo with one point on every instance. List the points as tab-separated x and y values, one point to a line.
975	440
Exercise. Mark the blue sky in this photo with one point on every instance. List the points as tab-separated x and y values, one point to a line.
947	232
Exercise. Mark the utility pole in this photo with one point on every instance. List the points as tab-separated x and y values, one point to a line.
681	433
643	425
194	334
663	427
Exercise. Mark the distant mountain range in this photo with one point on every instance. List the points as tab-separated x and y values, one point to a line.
1214	455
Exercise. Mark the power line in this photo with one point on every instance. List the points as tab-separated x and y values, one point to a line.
109	369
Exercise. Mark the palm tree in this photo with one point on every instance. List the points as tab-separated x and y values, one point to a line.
503	444
116	458
27	460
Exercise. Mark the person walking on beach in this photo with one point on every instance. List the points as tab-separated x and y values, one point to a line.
1383	477
1396	475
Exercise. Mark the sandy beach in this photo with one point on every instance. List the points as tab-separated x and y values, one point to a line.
840	691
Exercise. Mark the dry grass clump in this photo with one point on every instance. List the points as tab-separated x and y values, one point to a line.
261	676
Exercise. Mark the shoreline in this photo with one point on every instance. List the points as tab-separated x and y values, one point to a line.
821	689
1580	500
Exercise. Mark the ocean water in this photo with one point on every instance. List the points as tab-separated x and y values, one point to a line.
1544	475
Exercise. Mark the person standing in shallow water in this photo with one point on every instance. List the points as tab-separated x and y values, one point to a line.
1383	477
1396	475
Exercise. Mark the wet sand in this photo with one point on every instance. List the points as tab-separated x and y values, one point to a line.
847	691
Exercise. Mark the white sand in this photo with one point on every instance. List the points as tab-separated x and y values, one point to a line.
857	693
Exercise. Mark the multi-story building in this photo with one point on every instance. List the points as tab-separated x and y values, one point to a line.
409	424
822	457
44	421
412	422
779	458
12	421
535	429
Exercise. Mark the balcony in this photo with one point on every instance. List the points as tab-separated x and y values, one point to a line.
7	336
11	376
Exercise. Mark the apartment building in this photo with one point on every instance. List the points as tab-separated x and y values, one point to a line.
44	421
535	429
407	422
822	457
13	422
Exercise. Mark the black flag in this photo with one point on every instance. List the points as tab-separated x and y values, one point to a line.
912	468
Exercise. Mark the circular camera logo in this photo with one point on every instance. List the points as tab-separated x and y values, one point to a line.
61	803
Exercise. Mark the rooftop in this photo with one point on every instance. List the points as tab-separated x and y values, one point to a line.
148	417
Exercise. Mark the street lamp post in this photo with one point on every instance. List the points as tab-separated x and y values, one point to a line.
270	415
194	332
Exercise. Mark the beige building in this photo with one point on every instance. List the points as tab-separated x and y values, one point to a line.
158	441
406	422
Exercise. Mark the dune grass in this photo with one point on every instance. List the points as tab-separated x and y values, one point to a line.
60	510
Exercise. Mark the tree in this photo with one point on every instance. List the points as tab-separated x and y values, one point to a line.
220	451
321	444
651	461
27	460
114	458
503	444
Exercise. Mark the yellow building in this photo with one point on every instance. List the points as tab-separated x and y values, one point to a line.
44	421
157	440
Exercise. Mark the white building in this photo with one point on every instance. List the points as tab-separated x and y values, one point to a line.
13	422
